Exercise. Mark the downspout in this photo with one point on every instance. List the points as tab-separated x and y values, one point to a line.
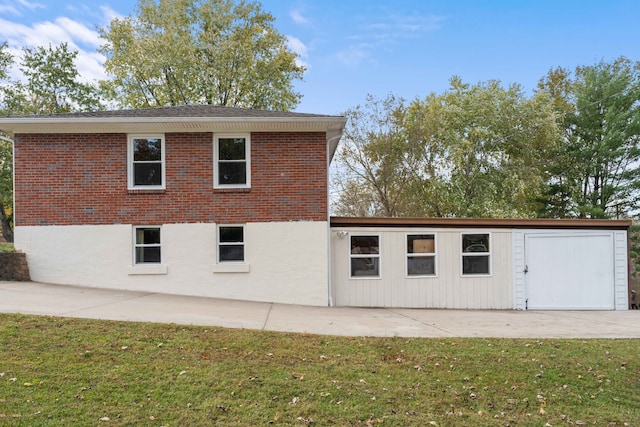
335	138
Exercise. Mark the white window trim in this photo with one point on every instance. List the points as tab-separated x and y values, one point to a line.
463	254
130	175
434	255
378	255
247	152
231	266
145	268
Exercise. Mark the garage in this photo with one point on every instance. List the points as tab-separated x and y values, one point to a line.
569	271
581	265
471	263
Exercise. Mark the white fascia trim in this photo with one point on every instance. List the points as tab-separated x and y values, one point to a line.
11	126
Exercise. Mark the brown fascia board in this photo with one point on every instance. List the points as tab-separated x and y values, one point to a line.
513	223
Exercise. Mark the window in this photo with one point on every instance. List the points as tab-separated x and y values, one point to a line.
421	255
232	161
231	243
365	256
147	249
476	254
146	161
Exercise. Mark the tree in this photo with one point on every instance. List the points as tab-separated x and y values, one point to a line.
558	198
6	158
375	163
6	187
596	173
484	148
6	59
216	52
51	84
473	151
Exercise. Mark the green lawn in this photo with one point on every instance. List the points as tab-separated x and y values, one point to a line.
67	372
6	247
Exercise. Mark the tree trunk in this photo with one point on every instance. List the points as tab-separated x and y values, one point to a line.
7	232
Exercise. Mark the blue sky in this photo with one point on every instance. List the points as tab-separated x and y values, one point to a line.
406	47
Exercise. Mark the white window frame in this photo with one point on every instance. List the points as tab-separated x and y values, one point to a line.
219	242
130	161
470	254
216	160
231	266
142	245
421	255
145	268
356	256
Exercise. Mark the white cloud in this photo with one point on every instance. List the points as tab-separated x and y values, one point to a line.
8	9
79	32
403	26
109	14
298	18
297	46
30	5
16	8
77	35
354	55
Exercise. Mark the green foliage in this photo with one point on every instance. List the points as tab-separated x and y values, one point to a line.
596	172
6	59
7	247
472	151
376	160
634	249
219	52
6	188
6	171
51	85
59	372
486	150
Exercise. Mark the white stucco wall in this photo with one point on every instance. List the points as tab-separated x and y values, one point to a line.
287	262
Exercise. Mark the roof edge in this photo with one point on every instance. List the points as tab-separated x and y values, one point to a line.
610	224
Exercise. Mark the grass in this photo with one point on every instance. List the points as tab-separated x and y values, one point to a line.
60	372
6	247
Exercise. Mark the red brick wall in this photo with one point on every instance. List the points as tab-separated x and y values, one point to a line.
72	179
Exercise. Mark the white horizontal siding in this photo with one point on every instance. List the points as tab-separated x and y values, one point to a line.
621	281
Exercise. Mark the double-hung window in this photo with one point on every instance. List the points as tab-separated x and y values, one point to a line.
421	255
365	256
476	254
147	247
146	168
230	243
232	161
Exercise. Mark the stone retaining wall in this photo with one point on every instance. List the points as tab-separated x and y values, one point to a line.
13	266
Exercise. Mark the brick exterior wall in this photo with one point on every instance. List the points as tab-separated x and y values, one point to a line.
74	179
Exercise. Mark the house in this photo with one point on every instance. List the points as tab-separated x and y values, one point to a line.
233	203
193	200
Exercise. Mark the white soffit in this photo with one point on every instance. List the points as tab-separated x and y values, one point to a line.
169	124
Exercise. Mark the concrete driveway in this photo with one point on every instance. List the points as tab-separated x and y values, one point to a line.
93	303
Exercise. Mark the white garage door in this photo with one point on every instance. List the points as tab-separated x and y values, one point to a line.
569	271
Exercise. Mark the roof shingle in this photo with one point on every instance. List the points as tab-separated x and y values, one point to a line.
184	111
